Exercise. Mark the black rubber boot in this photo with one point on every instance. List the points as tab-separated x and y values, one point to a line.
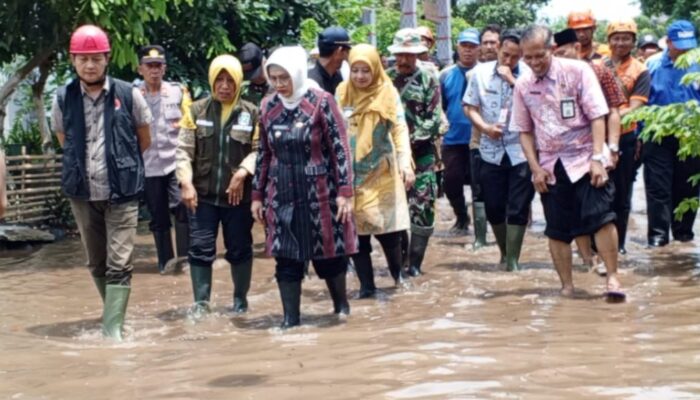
290	293
461	226
164	248
393	260
419	243
514	242
479	210
405	243
337	287
241	274
116	300
201	287
365	274
499	231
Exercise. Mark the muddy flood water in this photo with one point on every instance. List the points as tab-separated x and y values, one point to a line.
465	330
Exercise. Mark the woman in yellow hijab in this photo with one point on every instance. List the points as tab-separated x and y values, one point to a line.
215	160
382	162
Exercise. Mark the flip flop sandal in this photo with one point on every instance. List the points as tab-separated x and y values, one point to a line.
615	296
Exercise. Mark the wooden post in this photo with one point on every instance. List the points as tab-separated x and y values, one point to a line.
22	186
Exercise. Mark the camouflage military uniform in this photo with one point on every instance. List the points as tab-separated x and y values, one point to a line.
420	96
253	93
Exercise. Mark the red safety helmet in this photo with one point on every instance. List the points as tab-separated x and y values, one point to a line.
89	39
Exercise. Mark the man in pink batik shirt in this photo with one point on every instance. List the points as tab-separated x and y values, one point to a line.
559	110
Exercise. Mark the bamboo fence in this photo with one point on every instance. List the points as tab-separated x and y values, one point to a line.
31	181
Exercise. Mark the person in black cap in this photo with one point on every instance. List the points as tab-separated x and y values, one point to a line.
162	192
255	86
648	46
333	49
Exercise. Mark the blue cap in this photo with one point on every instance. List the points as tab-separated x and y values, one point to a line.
470	35
332	37
682	34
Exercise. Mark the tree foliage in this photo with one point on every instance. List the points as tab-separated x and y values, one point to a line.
348	14
679	120
507	13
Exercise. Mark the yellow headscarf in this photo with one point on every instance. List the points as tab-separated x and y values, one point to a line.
231	65
234	68
372	104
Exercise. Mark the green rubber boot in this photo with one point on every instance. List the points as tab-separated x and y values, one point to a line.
514	242
100	283
241	274
201	287
500	231
116	299
479	210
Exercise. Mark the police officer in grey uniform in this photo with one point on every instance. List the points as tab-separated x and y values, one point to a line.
162	193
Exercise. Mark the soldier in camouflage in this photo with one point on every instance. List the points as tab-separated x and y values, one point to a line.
420	96
255	86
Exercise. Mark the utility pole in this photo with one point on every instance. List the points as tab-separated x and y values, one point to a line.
409	14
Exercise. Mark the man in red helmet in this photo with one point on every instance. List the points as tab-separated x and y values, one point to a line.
103	125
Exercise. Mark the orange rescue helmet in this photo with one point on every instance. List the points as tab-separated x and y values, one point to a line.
581	19
426	33
622	26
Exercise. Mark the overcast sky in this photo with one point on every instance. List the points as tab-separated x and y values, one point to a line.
602	9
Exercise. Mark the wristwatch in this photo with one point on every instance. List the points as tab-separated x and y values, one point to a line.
614	147
600	157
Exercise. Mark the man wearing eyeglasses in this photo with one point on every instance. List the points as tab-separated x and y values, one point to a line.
162	192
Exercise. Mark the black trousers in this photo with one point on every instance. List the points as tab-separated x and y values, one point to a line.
236	225
508	192
289	270
391	244
162	195
456	175
573	209
624	176
666	183
475	163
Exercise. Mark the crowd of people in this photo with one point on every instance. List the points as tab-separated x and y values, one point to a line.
359	146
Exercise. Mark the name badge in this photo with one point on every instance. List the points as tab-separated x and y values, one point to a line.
503	116
280	127
245	128
204	122
243	118
568	108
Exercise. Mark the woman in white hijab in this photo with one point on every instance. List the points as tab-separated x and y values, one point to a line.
303	183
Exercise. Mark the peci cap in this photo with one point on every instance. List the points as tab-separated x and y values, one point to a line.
470	35
682	34
567	36
251	58
152	53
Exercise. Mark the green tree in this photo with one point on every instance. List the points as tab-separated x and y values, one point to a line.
507	13
37	31
680	120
